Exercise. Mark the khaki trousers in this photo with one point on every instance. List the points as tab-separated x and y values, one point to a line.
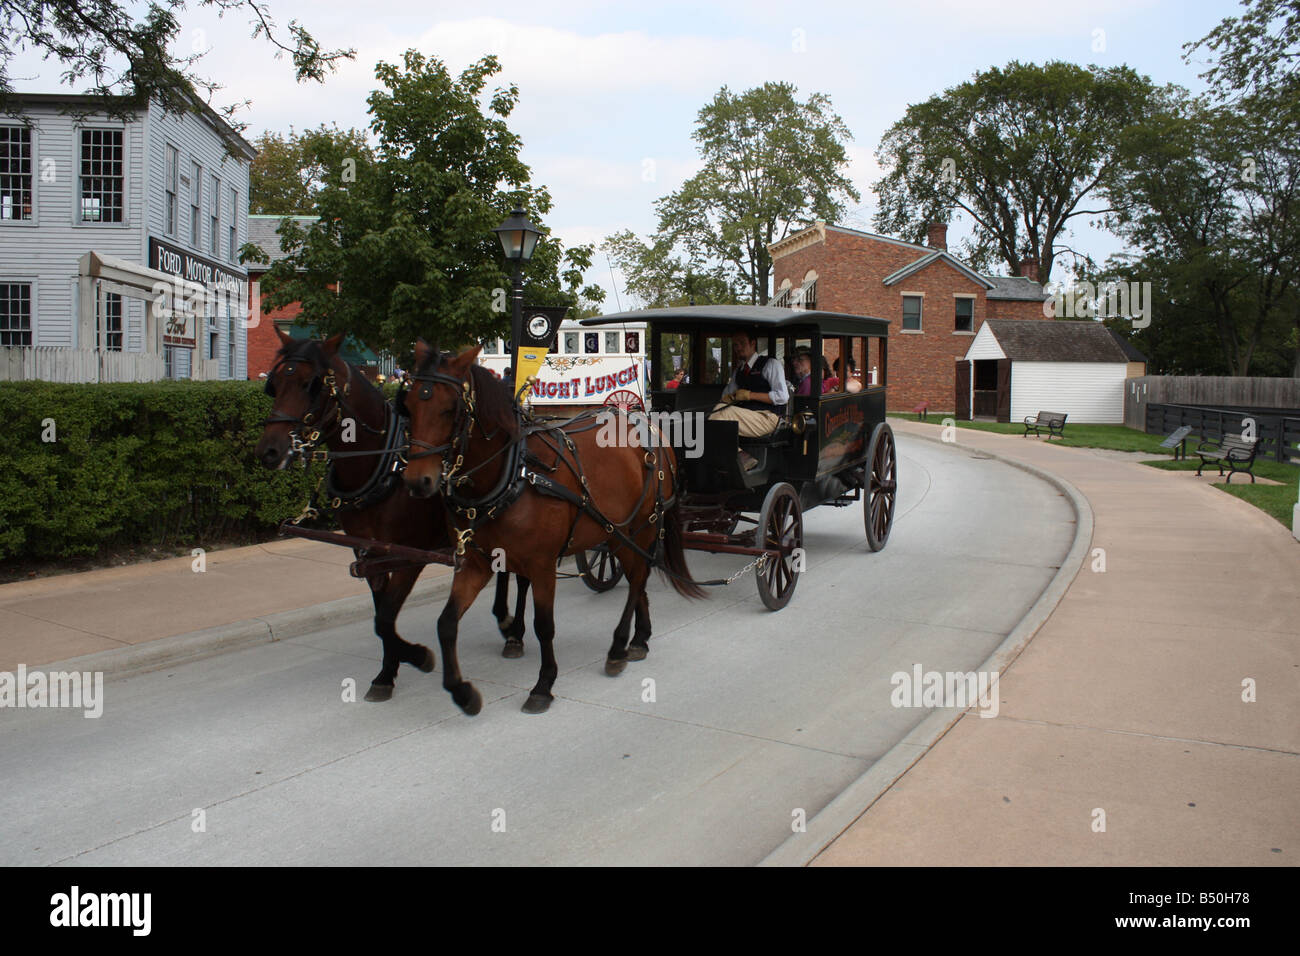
753	423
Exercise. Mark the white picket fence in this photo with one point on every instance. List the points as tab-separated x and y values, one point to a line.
49	363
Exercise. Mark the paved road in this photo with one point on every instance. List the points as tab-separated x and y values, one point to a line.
755	714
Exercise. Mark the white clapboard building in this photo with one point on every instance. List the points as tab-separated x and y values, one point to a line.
119	242
1016	369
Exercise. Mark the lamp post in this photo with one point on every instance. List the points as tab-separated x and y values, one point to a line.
518	238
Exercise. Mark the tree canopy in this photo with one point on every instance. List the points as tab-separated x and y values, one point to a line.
125	51
290	170
772	163
404	248
1023	150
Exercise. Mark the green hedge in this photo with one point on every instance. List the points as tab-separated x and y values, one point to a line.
141	464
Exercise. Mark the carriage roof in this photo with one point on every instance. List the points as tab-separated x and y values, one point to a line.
763	318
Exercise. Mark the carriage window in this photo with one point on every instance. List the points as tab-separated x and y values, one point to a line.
611	343
591	343
632	342
570	343
718	360
492	347
674	354
858	378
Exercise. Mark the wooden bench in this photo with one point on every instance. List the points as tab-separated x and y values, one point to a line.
1236	451
1054	422
1176	441
921	409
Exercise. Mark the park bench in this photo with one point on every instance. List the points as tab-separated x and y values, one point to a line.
1237	451
1176	441
921	409
1054	422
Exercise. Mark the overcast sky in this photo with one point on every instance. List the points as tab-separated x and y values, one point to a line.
609	91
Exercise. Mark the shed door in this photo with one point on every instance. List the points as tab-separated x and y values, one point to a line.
963	391
1004	390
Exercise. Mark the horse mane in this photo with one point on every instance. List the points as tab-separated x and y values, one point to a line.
493	400
493	403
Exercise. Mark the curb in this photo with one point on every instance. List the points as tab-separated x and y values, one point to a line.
800	849
122	662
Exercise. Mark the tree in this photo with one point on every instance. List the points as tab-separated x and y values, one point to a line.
1258	73
407	249
127	54
771	163
659	279
1258	52
1209	196
290	170
1022	150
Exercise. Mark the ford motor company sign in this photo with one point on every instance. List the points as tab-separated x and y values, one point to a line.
224	285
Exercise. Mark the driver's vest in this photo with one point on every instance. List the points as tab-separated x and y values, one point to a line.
753	380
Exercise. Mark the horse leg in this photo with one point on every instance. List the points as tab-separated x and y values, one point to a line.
639	647
469	580
501	603
389	592
539	698
637	572
514	634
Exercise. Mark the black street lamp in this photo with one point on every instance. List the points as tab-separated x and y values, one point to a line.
518	238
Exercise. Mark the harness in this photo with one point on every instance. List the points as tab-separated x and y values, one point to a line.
524	468
387	473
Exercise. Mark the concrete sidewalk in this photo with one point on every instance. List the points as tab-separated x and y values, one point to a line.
1127	706
74	615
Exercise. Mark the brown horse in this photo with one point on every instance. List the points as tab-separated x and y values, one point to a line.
316	392
532	493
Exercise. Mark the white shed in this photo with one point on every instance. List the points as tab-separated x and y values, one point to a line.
1016	368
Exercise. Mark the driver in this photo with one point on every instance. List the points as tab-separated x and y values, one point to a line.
757	394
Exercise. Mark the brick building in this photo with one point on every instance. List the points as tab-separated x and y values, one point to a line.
934	302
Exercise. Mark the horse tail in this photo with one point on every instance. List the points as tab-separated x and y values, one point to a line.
679	576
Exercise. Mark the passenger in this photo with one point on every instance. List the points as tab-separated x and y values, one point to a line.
803	371
853	383
756	396
678	379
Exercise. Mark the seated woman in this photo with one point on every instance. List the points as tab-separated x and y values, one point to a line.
852	382
803	371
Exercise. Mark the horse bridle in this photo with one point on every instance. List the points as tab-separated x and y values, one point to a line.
461	429
316	417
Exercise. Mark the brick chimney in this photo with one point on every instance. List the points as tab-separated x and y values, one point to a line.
936	236
1029	268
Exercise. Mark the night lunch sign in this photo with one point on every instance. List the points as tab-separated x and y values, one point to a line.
216	278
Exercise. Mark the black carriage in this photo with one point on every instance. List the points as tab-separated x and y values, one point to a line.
832	446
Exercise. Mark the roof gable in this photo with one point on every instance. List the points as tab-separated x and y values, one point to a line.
936	255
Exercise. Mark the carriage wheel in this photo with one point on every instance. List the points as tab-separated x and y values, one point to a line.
780	525
599	569
881	486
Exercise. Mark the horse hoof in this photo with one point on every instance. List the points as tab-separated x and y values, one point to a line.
505	626
468	699
514	648
429	662
537	703
637	652
613	668
379	693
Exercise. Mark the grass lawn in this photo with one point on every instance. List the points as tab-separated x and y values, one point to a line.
1276	500
1115	437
